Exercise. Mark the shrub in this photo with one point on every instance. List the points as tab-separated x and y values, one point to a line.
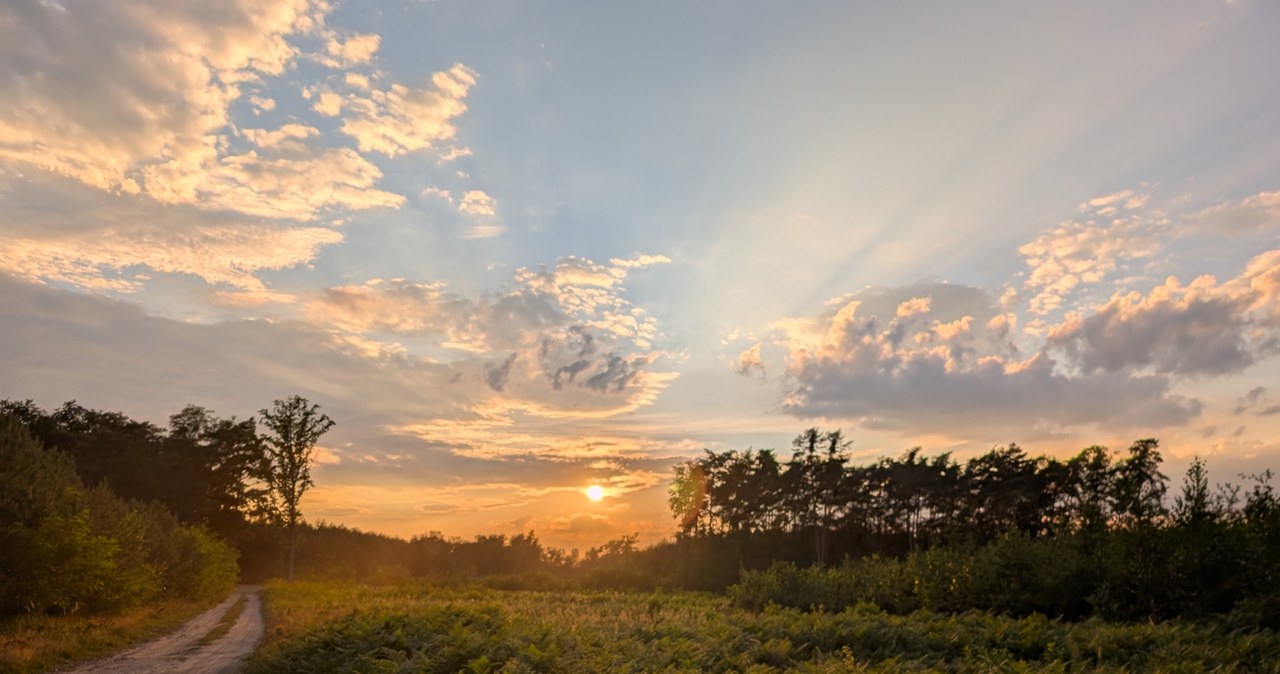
64	548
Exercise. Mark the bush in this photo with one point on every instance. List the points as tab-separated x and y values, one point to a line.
64	548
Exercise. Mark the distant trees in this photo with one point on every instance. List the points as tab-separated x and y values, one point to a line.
294	425
897	505
1003	531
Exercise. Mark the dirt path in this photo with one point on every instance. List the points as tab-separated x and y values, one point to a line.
182	651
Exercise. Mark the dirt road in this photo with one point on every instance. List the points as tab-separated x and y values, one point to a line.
187	650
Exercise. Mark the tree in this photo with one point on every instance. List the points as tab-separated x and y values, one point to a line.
220	462
1139	485
295	425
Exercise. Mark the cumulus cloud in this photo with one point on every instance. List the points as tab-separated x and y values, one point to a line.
1202	329
944	357
561	342
1190	331
951	369
476	202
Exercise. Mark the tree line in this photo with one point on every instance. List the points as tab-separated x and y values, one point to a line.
897	505
1098	533
100	511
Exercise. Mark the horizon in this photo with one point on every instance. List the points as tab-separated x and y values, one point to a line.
515	249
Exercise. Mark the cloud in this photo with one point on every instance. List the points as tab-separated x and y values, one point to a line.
400	119
491	322
354	50
289	181
1194	330
110	351
913	306
63	232
1257	401
560	342
160	77
1202	329
639	261
482	209
1077	253
942	358
328	104
287	136
750	360
1250	400
950	369
476	202
1259	212
137	97
1117	229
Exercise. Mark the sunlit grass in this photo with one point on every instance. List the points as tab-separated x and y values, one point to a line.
415	627
38	643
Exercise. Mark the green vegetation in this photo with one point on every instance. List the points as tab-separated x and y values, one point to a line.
294	426
417	627
37	642
85	570
208	472
1003	532
65	548
908	563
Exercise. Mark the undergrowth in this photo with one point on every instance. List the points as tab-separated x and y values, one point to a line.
318	627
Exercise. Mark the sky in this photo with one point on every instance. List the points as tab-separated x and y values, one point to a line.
515	248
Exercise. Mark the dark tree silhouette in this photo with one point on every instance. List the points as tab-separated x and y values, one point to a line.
295	425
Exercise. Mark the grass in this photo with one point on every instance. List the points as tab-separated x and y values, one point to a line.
416	627
37	643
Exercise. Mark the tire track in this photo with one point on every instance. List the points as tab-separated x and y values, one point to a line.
181	651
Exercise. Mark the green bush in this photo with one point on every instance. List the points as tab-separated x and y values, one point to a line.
64	548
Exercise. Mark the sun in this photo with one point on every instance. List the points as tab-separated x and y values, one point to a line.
595	492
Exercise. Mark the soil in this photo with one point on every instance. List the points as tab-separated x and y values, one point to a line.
182	651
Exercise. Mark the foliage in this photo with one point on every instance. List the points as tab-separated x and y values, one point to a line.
417	627
65	548
294	425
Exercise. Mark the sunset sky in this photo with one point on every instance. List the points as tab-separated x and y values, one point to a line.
516	248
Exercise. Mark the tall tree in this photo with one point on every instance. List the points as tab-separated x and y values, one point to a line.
222	464
295	425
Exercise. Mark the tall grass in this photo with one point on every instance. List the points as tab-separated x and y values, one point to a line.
38	642
319	627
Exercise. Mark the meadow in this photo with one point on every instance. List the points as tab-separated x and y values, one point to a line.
421	627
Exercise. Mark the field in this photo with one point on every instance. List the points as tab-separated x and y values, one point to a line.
417	627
